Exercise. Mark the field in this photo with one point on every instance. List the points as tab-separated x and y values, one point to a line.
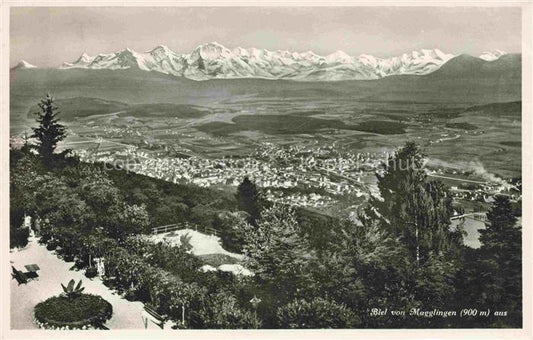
457	136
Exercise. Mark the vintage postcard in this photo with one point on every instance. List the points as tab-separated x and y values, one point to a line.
174	168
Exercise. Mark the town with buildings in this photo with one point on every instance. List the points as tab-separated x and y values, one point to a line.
298	175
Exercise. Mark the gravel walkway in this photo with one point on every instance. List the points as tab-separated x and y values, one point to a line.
202	244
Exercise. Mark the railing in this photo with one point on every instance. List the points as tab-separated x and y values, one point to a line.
209	231
165	228
172	227
480	216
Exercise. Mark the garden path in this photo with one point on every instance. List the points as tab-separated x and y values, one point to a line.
202	244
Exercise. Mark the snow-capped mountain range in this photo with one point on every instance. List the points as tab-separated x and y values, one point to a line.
212	60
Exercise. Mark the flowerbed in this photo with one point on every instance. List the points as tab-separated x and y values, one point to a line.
82	312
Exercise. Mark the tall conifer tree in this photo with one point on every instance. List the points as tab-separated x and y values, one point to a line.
249	199
50	131
415	210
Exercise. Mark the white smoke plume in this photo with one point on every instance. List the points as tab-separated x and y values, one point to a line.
476	166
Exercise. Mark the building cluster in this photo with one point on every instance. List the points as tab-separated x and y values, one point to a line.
486	192
311	176
270	167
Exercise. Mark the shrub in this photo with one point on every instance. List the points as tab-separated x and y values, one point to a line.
222	311
317	313
52	245
45	237
82	311
131	294
91	272
216	260
18	237
68	239
175	259
68	257
79	263
125	267
231	228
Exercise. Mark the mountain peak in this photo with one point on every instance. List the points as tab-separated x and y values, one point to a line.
23	64
160	48
213	44
492	55
84	57
240	51
339	56
210	51
310	54
339	53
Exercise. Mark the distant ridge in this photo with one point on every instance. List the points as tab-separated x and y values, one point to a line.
466	66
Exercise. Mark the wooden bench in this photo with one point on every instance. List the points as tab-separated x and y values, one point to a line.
157	318
19	276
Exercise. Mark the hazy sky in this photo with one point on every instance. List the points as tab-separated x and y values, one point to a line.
48	36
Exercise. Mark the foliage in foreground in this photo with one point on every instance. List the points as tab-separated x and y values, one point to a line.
317	313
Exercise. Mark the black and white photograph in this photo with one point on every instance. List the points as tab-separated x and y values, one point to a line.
176	168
